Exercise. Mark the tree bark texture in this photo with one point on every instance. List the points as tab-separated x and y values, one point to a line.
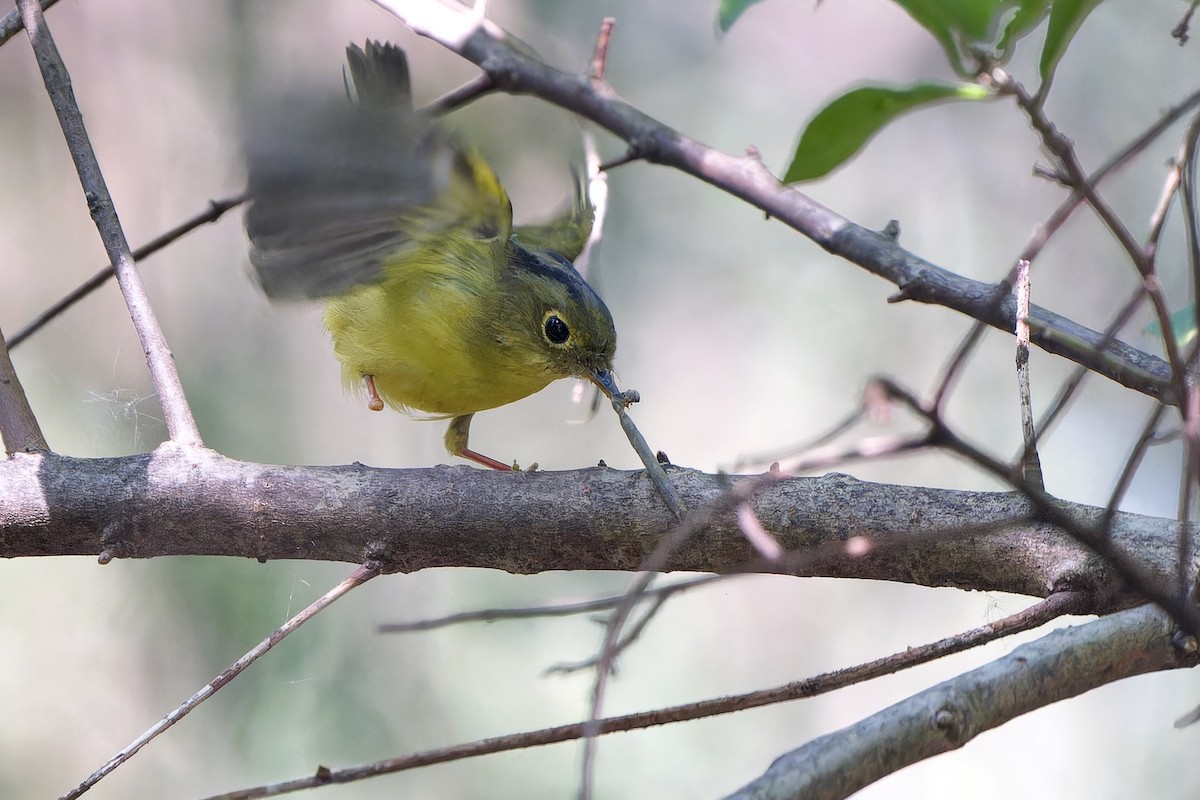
181	500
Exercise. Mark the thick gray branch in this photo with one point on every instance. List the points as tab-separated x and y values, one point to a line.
183	500
1063	664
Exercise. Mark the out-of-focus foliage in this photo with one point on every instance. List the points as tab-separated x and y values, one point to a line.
730	10
973	34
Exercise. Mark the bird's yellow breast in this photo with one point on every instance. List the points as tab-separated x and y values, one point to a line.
429	340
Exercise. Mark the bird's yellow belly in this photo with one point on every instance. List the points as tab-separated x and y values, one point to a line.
414	352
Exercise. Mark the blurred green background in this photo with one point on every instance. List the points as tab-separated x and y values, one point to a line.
740	335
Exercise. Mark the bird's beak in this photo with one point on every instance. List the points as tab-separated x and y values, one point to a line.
605	380
608	384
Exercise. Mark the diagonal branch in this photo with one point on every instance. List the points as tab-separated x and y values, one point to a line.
216	209
514	70
1063	664
360	576
180	424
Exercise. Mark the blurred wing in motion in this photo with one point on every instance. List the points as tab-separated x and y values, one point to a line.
568	234
339	190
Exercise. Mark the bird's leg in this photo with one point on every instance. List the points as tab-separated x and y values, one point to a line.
456	443
374	401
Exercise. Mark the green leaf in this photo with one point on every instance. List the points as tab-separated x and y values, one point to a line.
1065	18
1026	18
970	19
974	29
730	10
839	130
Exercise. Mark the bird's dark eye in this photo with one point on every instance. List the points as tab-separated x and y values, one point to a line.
557	331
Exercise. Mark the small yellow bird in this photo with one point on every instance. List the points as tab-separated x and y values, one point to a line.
434	301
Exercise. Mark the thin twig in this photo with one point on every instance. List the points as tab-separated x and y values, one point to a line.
1190	476
1158	217
360	576
1031	463
535	612
600	55
628	157
611	644
1181	31
821	453
1147	437
654	470
1046	230
1190	718
1035	616
456	98
180	424
956	363
1067	392
628	637
216	209
1191	223
840	427
865	449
